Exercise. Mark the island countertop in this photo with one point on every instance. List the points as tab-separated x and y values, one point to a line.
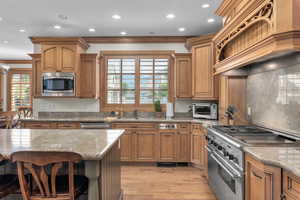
287	158
90	144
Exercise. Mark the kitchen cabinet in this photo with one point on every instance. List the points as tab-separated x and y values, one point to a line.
167	146
262	182
183	146
36	75
59	58
233	92
88	75
1	88
126	143
204	83
183	75
146	145
198	146
291	186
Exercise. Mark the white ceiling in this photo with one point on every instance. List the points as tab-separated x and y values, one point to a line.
139	18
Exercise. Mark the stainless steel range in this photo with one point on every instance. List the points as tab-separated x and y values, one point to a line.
226	169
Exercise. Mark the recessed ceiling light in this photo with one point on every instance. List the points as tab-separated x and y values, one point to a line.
181	29
211	20
22	30
57	27
123	33
62	17
5	42
116	16
170	16
92	30
205	5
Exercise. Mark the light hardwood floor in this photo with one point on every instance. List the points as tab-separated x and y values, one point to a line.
161	183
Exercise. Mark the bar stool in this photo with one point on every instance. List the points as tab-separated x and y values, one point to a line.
24	111
49	185
8	183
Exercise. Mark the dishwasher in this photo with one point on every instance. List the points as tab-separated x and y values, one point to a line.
95	125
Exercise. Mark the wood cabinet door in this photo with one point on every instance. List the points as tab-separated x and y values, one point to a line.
184	76
262	182
184	147
146	146
36	76
167	146
126	146
67	58
88	76
50	58
68	125
39	125
195	148
202	70
291	186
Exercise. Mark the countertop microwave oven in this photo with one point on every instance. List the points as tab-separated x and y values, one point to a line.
205	111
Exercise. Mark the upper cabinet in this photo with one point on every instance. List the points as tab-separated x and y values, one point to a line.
204	83
255	30
88	76
59	58
36	75
183	75
64	55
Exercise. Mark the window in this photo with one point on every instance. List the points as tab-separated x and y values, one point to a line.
135	81
19	88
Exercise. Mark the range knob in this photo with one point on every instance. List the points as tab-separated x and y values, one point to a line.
220	148
231	157
215	144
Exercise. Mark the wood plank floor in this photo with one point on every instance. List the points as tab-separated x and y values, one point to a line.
161	183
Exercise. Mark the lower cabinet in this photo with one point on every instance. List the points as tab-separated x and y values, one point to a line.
126	146
262	182
167	146
146	145
183	146
198	152
291	186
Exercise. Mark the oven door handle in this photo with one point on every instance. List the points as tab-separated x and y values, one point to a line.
225	168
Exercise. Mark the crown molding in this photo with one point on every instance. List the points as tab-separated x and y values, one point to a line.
137	39
65	40
16	61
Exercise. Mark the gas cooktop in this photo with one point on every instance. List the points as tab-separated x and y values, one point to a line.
253	135
232	130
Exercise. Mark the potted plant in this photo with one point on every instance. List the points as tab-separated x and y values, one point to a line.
158	110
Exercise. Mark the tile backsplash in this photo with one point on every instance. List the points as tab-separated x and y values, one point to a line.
274	96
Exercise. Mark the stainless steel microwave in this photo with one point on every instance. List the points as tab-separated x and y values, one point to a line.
58	84
205	111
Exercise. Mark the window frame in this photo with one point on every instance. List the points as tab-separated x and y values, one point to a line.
9	78
105	55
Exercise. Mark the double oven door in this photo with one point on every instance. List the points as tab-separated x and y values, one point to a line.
226	182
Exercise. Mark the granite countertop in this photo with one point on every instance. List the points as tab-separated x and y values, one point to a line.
90	144
97	119
287	158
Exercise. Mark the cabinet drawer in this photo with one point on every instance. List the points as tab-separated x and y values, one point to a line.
197	128
184	127
135	125
39	125
71	125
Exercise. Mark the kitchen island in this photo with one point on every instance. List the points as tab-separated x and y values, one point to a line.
99	149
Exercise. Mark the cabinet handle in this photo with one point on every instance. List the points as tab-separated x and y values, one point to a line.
256	175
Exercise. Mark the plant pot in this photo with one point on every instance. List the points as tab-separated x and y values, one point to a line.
159	114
